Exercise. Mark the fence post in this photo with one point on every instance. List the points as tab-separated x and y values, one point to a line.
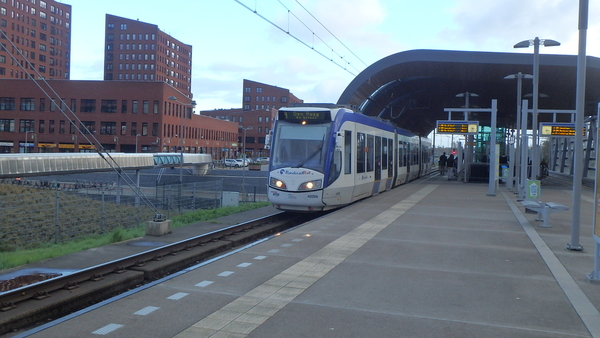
56	230
102	212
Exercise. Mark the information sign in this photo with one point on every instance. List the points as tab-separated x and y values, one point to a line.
305	116
558	129
458	127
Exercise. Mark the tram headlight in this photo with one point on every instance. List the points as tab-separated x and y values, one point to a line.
277	183
311	185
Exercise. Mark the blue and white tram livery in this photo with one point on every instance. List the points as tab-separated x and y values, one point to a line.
327	156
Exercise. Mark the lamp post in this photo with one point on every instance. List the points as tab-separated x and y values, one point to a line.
27	140
136	142
116	140
244	157
468	138
74	139
182	138
517	160
535	161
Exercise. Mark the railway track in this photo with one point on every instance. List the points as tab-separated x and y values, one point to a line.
31	305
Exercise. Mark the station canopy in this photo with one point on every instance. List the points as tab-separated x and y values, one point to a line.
412	88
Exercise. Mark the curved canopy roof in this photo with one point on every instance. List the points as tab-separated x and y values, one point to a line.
412	88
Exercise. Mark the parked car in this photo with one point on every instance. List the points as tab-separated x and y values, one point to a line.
241	162
229	162
262	159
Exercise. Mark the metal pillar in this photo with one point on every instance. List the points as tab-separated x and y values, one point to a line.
493	157
524	146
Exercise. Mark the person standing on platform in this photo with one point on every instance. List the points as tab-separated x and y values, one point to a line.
443	160
450	163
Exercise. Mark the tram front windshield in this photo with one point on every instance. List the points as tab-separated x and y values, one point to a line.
300	146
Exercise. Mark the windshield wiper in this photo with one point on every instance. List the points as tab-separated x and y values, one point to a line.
312	155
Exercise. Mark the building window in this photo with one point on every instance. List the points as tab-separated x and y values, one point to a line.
42	127
145	107
26	125
259	89
246	98
284	99
123	26
7	125
109	106
154	129
124	106
260	119
134	106
61	127
88	106
108	128
155	107
7	103
144	128
88	127
110	26
123	128
42	104
51	127
247	90
27	104
133	128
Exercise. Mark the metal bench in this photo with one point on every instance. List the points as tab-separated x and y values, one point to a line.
544	210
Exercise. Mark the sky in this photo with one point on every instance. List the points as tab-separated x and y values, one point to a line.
329	41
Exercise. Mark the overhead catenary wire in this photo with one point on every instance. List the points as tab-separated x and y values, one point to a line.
299	40
327	29
73	118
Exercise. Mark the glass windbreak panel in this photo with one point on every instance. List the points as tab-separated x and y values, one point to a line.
300	146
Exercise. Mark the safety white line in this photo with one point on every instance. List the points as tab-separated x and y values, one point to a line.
246	313
585	309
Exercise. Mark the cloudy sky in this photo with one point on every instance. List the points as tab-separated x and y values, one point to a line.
338	38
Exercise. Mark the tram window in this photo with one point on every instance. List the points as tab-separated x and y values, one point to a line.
384	153
370	152
360	152
401	154
347	152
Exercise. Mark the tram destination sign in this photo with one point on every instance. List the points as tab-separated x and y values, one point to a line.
558	129
308	116
457	127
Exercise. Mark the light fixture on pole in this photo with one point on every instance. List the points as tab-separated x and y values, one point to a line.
244	156
136	142
468	138
116	140
535	161
182	138
521	132
27	140
74	139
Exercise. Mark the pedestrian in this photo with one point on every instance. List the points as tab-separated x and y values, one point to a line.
443	160
450	163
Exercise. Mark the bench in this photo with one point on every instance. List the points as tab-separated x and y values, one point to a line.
544	210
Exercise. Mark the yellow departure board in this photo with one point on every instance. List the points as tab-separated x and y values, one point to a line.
457	127
558	129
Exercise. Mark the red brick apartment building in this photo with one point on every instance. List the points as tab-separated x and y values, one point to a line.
41	31
261	102
123	116
139	51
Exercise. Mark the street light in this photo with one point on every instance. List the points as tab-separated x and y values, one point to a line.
521	133
535	162
27	140
136	142
74	139
182	138
244	158
116	140
469	138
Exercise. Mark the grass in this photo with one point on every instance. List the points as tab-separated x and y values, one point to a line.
21	257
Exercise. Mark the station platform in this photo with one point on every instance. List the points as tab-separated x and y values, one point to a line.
433	258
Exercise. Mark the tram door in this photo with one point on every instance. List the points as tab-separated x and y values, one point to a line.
377	158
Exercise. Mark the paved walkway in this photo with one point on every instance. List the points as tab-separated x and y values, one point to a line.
434	258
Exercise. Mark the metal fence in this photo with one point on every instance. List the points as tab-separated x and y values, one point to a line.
54	213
